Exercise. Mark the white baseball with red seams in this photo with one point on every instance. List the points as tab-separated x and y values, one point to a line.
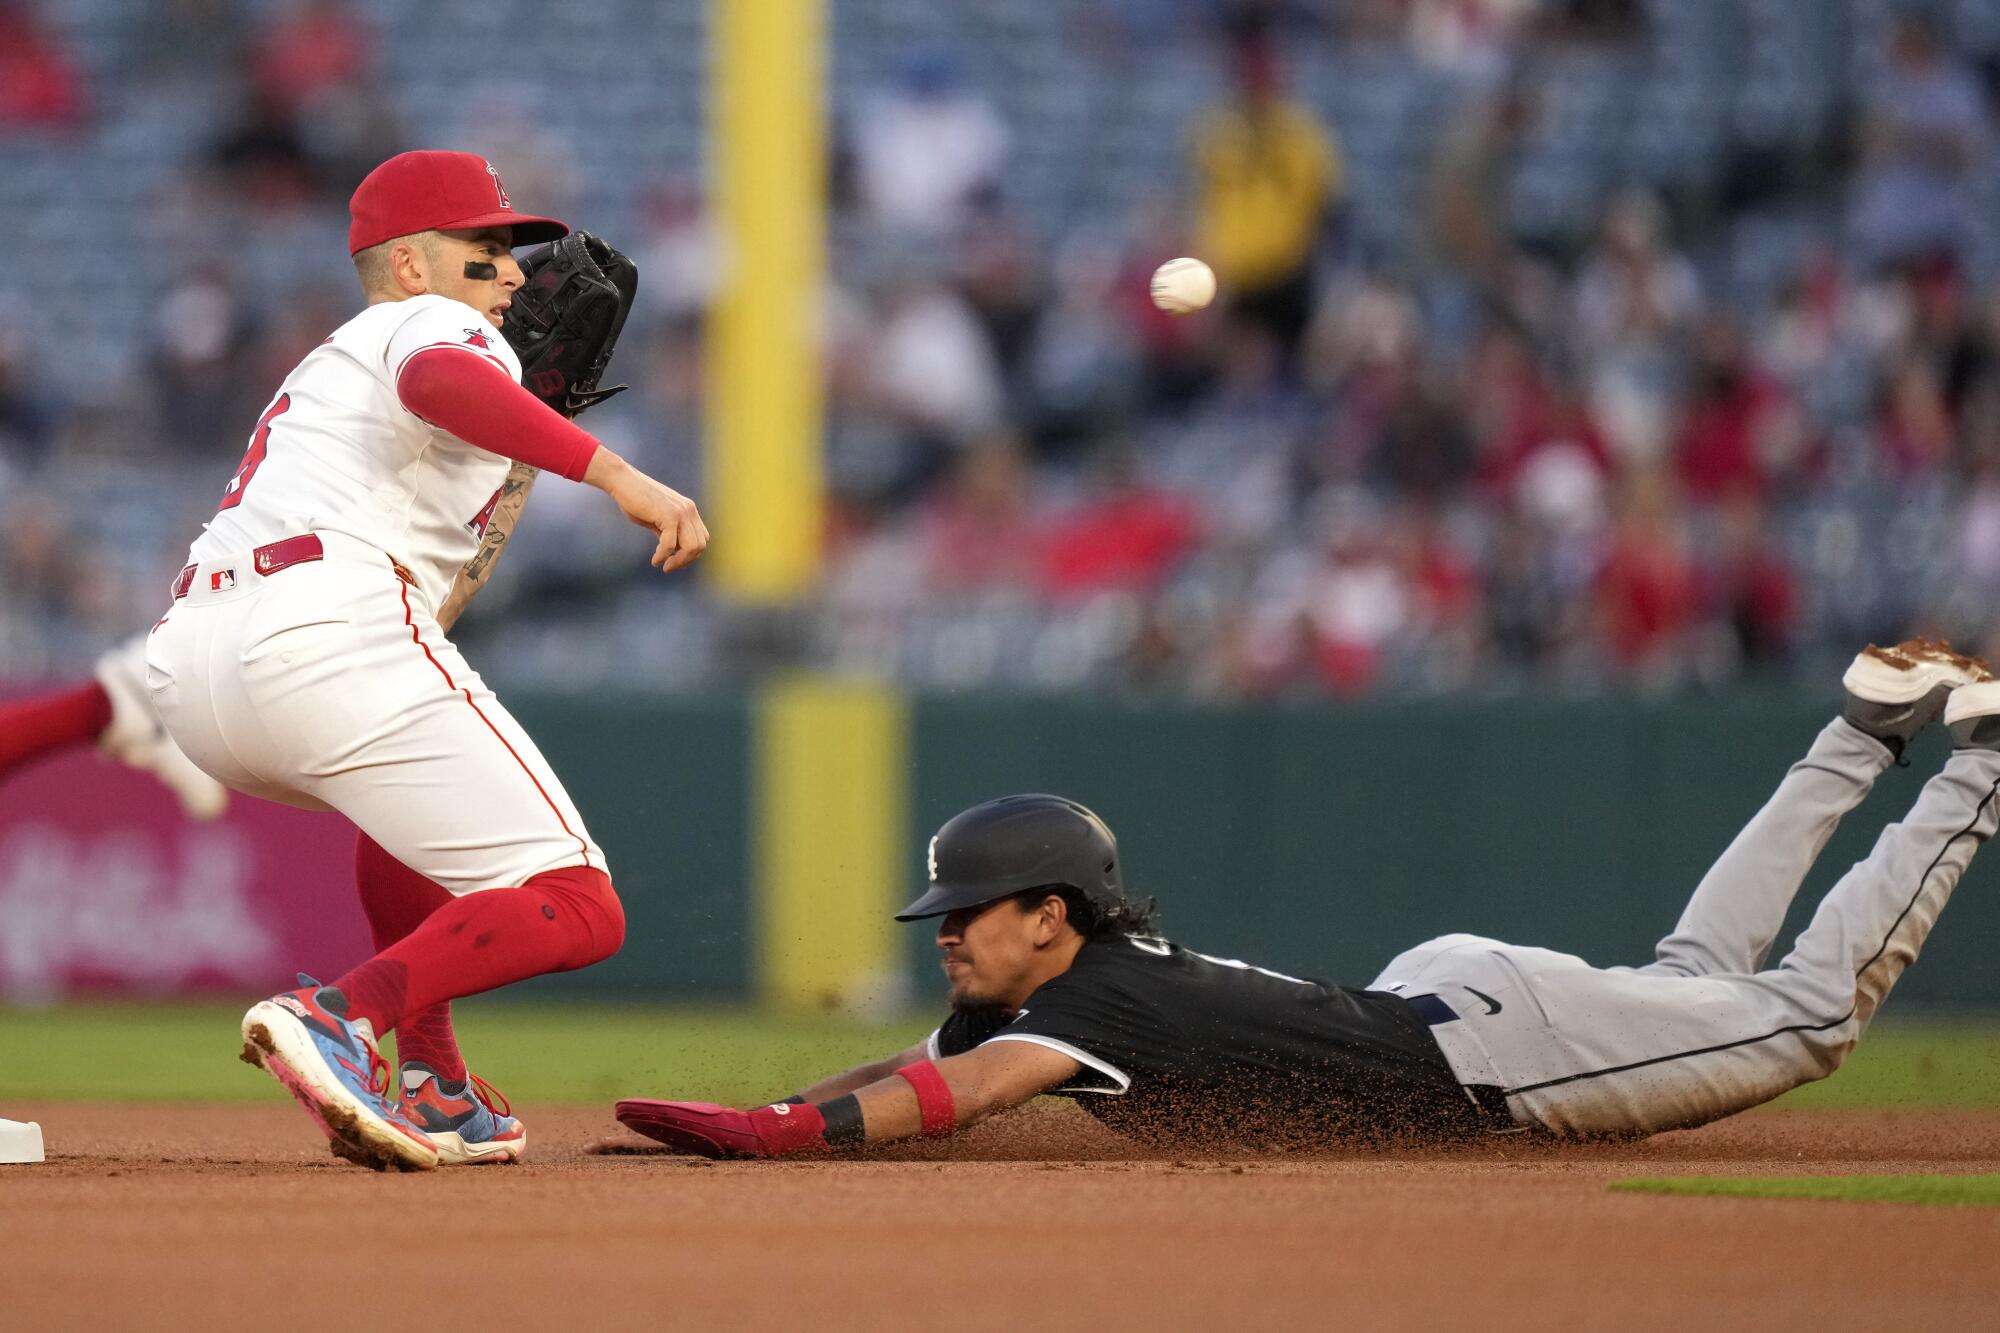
329	684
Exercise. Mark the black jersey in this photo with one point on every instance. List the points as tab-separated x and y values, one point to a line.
1177	1045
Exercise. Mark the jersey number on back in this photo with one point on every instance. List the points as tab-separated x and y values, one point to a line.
260	442
1160	948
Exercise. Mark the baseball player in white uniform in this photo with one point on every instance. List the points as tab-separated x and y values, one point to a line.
302	659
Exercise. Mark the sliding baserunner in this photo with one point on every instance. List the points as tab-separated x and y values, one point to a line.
1061	983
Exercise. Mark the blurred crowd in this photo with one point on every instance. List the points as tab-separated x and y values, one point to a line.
1426	441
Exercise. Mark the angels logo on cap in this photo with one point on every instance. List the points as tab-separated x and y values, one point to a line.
430	190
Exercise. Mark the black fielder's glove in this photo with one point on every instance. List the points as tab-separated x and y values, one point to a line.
566	318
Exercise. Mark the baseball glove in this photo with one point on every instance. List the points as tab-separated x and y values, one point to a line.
704	1129
566	317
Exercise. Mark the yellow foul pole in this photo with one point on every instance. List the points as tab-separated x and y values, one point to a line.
831	758
767	155
830	858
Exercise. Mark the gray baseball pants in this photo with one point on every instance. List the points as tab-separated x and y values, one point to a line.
1706	1030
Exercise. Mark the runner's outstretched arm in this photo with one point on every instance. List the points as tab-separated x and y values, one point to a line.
932	1099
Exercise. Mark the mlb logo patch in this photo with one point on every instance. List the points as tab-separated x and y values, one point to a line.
222	580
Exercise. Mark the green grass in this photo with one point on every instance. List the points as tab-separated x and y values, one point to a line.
581	1052
576	1053
1975	1191
1912	1065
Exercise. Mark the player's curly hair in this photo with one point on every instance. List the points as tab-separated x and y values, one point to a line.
1125	916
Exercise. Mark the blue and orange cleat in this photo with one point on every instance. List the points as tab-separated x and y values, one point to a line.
468	1122
303	1039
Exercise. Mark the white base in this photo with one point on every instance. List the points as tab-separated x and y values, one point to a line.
20	1141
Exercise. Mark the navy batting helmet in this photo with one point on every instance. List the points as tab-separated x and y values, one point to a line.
1016	843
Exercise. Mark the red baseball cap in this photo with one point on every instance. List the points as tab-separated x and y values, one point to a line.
436	191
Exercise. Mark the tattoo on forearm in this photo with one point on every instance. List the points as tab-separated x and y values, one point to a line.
499	527
513	497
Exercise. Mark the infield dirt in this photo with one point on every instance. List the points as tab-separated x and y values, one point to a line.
171	1216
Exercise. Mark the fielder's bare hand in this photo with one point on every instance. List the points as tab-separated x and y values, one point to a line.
683	536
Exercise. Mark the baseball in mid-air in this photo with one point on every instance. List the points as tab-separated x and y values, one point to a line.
1183	286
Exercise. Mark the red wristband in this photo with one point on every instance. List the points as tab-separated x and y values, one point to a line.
934	1102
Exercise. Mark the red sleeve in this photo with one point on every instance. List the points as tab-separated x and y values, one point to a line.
476	400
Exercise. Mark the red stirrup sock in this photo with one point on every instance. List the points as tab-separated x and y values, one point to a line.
397	900
46	723
558	921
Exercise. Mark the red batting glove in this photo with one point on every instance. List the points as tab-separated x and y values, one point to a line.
708	1130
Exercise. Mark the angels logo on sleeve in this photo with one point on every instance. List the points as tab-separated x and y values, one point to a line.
478	338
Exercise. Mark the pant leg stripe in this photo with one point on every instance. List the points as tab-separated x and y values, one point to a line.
1923	882
467	696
